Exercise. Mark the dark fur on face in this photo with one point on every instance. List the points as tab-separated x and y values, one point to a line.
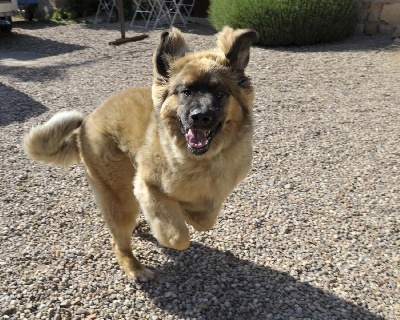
201	111
197	93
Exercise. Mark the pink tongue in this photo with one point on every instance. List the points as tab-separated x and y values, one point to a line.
196	138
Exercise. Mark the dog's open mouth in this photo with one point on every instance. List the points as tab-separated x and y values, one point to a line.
199	140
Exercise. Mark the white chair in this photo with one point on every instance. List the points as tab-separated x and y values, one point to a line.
163	13
106	6
153	12
143	9
181	9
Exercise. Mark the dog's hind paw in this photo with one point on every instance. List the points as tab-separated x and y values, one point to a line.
142	275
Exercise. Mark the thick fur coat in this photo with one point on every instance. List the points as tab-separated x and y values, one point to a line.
175	151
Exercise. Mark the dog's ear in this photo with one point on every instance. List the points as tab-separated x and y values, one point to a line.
236	46
171	47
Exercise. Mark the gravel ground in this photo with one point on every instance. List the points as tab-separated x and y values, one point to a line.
312	233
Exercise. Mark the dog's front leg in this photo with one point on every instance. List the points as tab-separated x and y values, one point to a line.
165	216
202	220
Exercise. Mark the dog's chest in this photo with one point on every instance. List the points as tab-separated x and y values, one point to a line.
201	184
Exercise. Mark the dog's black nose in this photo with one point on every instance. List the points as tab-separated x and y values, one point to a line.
201	118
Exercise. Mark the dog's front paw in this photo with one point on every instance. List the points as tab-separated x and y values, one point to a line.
200	221
133	268
142	275
177	242
171	236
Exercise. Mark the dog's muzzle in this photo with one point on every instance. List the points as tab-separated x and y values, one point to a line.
200	129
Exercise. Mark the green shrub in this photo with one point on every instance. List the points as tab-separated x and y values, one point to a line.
287	22
82	8
61	15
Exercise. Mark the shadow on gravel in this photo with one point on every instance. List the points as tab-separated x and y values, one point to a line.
217	285
39	73
19	106
34	25
28	43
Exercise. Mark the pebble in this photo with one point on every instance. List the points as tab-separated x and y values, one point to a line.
81	311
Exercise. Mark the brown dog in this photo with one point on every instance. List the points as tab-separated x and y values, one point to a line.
175	150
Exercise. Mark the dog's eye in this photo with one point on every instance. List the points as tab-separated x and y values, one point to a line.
219	94
243	81
187	92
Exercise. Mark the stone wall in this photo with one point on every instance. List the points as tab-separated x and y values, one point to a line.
379	17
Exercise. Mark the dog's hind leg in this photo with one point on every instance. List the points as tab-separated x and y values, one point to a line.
114	196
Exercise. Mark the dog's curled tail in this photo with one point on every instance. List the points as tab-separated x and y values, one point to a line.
55	142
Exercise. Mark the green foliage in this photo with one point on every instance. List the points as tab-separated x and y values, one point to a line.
82	8
287	22
61	15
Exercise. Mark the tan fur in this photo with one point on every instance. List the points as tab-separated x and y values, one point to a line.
44	142
136	157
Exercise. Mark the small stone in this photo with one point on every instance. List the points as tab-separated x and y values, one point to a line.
9	311
203	306
89	256
81	311
65	304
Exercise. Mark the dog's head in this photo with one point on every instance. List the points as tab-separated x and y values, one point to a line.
204	99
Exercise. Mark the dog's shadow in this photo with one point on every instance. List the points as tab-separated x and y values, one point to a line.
206	283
